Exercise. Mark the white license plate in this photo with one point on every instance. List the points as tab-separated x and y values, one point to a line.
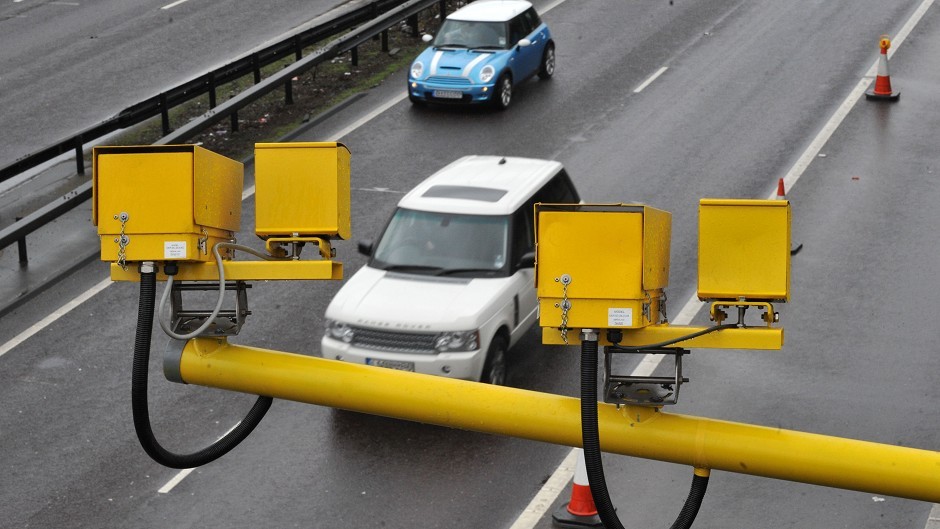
448	94
391	364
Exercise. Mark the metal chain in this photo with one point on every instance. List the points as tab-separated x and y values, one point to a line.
122	241
565	305
204	242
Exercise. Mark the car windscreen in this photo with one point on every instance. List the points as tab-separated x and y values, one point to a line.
444	244
468	34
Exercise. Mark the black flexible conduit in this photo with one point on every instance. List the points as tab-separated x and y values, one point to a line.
692	503
141	412
590	439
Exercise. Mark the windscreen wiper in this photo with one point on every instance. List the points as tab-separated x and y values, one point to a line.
454	271
435	270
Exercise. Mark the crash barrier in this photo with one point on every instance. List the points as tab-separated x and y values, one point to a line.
357	26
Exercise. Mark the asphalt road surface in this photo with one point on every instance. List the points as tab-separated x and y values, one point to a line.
752	92
66	66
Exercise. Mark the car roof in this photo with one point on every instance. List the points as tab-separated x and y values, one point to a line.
481	185
490	10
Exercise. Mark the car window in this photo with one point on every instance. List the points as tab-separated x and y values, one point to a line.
523	232
444	244
471	34
532	19
517	30
558	190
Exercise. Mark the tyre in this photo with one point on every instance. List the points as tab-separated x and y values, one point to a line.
547	70
502	93
494	368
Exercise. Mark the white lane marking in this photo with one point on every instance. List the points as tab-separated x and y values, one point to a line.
813	150
181	475
174	4
933	519
372	115
528	520
546	496
58	313
649	81
175	481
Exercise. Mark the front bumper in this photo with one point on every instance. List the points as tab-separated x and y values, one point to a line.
429	91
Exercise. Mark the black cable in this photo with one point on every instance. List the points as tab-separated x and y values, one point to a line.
590	440
139	395
633	349
590	437
692	503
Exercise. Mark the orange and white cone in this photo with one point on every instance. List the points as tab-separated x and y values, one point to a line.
580	511
782	195
781	190
882	89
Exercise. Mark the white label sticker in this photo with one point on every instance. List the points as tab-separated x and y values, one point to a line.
620	317
174	250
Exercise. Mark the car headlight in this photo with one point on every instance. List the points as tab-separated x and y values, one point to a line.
339	331
487	73
417	68
459	341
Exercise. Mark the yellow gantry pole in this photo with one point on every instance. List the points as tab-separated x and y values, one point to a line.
630	430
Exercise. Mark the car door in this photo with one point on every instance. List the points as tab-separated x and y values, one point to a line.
538	34
526	59
523	278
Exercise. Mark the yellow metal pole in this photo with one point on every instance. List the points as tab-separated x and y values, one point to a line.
635	431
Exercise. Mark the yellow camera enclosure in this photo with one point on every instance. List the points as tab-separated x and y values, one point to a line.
617	259
744	250
170	202
302	189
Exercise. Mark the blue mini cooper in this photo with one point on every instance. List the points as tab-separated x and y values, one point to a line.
480	52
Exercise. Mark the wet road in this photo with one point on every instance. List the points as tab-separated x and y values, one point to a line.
747	89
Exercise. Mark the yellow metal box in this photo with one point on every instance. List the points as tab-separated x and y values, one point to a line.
744	250
164	202
601	266
302	189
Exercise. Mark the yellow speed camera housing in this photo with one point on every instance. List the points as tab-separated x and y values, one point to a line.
302	189
164	203
601	266
744	250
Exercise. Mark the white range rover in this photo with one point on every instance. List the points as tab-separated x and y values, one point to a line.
449	285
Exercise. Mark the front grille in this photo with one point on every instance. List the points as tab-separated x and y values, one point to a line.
449	81
400	342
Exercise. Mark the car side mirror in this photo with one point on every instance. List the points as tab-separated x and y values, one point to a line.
365	248
427	38
527	260
525	42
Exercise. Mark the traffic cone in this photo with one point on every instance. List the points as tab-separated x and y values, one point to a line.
580	511
882	89
782	195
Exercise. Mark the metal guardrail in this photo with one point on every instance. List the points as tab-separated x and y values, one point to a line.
377	17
